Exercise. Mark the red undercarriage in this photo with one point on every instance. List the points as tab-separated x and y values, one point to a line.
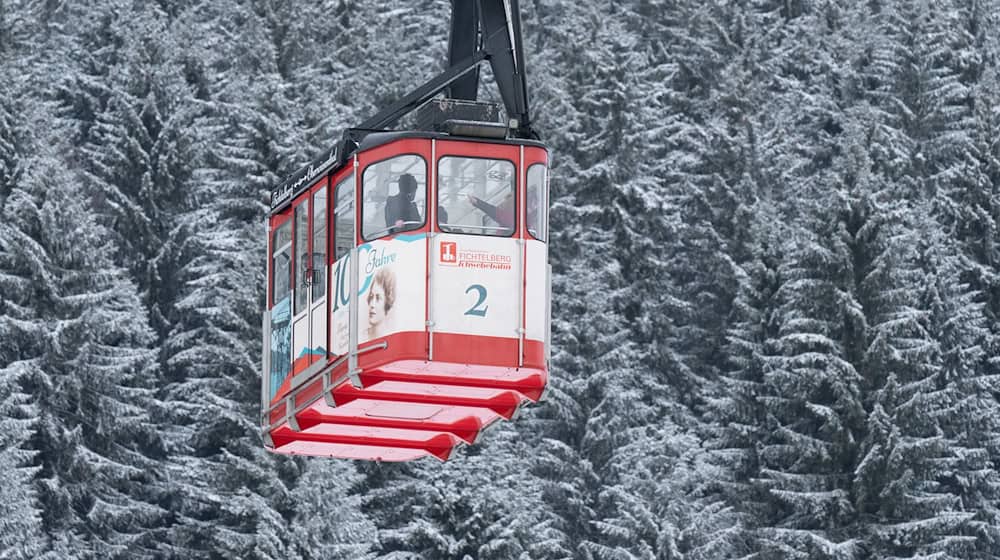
406	407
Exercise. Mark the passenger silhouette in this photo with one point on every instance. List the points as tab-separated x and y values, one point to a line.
400	210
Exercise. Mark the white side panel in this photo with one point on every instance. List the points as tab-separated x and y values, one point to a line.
340	335
475	285
536	308
300	336
326	338
402	262
319	322
392	277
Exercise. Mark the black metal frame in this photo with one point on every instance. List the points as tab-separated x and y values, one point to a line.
480	30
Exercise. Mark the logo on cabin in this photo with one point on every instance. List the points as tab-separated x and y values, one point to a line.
449	252
450	255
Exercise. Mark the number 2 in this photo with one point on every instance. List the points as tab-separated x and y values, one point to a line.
475	309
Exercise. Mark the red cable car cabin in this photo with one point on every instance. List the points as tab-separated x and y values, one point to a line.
408	297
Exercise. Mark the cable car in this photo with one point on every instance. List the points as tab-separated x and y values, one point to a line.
408	279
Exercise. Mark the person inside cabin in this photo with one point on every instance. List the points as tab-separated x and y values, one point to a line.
502	214
381	298
533	224
400	209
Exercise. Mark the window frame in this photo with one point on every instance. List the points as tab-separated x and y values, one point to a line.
348	181
302	284
545	209
276	250
319	267
361	211
517	206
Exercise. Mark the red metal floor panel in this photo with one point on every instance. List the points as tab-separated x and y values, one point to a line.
530	382
437	444
462	421
406	410
343	451
503	402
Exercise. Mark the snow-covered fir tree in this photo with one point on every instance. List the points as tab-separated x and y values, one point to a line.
776	255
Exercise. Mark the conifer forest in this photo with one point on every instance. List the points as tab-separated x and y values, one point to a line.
776	292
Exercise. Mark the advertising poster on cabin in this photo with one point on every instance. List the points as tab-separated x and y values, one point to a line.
340	335
391	290
475	285
281	344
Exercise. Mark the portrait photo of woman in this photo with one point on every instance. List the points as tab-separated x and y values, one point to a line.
381	297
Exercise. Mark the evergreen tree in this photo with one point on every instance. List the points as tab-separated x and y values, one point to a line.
21	533
812	402
230	497
329	523
906	455
487	503
91	364
958	325
926	148
136	144
737	416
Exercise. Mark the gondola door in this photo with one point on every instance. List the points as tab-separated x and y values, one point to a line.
309	317
343	242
